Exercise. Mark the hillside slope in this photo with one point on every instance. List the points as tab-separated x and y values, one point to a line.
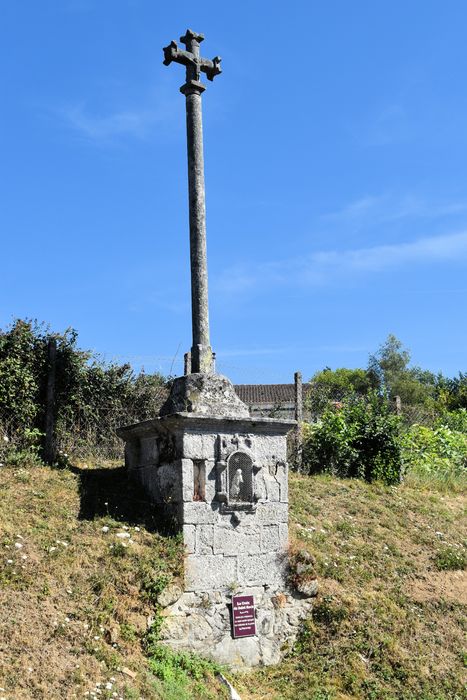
389	622
82	562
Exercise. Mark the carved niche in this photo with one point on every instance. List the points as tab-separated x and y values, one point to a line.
236	472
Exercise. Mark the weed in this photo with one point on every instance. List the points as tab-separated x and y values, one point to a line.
118	549
176	665
450	559
128	632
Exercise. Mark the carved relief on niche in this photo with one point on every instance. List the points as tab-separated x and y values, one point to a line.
236	473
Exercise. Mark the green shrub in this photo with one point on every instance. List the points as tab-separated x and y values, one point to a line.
359	438
435	452
92	397
451	559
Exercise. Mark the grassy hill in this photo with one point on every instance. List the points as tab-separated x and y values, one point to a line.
82	562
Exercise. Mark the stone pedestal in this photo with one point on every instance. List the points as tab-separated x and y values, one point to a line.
221	476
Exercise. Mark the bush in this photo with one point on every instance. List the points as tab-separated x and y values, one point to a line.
360	438
436	452
92	398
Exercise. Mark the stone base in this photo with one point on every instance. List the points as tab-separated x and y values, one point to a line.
221	477
201	623
204	394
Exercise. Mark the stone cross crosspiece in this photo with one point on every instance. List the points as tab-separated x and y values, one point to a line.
201	351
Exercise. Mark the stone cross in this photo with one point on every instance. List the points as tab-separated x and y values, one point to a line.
201	352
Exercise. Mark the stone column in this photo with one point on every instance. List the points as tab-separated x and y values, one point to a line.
201	352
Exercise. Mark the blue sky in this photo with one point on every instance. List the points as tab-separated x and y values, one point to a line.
335	152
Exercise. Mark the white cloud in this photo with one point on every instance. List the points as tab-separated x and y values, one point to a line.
329	266
106	128
371	210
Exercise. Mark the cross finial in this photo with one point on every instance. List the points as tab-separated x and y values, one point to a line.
194	63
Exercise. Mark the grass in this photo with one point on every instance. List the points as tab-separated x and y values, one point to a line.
75	599
389	622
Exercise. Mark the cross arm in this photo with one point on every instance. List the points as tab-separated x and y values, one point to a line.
173	53
210	68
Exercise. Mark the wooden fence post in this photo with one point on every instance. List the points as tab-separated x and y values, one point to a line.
49	447
298	387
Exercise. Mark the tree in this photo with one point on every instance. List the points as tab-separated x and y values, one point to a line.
389	370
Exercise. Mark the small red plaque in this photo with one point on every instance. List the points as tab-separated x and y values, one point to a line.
243	616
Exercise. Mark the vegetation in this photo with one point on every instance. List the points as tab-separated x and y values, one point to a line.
91	399
84	560
389	621
75	603
358	439
387	421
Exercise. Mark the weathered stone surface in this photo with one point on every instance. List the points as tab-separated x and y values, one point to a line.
204	394
209	571
231	541
270	540
238	653
189	538
169	596
205	539
308	588
272	513
261	569
197	445
200	512
149	451
207	627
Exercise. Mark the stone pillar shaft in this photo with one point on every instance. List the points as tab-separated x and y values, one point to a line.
201	352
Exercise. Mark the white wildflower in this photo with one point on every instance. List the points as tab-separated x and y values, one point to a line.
105	528
123	535
18	545
137	529
6	438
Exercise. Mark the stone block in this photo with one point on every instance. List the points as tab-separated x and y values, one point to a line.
268	448
169	596
188	628
232	541
186	470
199	512
204	539
283	536
210	480
272	513
149	452
262	569
270	539
238	653
189	538
168	482
209	572
199	445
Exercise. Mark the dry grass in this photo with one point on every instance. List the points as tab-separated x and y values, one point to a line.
387	624
75	598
